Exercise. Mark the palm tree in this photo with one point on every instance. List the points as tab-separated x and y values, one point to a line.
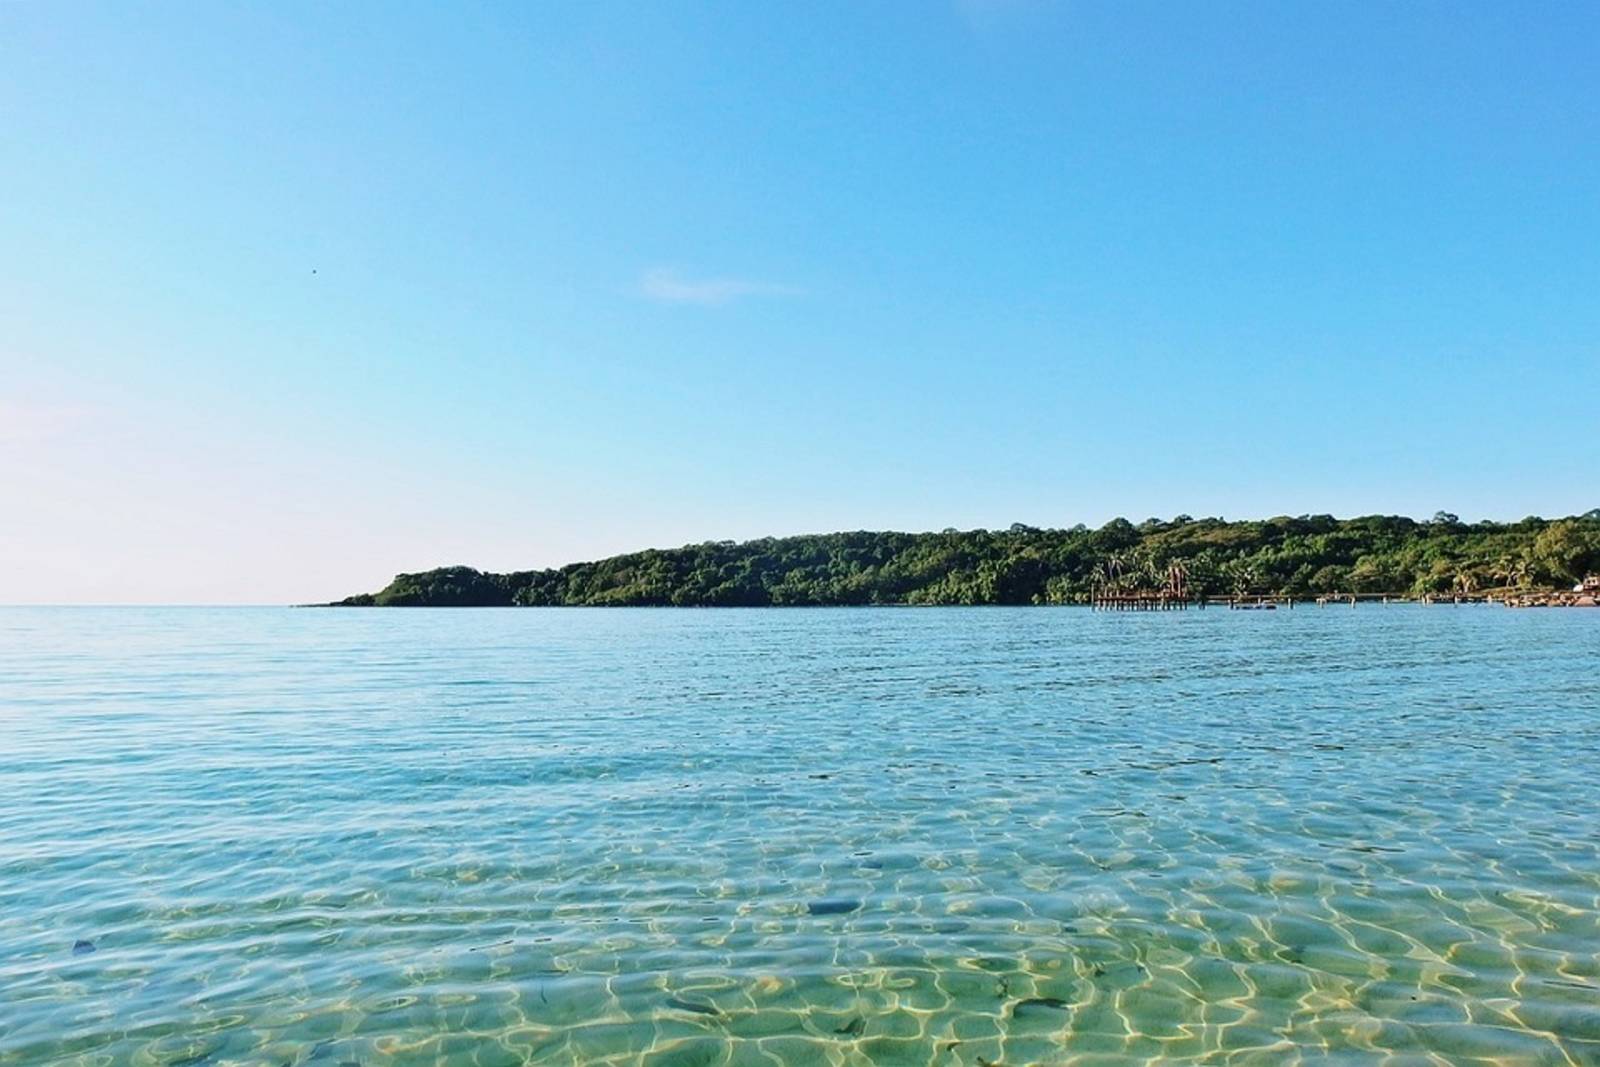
1241	576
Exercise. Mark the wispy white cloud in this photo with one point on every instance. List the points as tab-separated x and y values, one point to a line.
27	423
670	287
988	14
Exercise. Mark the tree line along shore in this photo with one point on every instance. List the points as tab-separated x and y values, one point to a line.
1302	557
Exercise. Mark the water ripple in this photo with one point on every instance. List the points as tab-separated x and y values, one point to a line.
837	837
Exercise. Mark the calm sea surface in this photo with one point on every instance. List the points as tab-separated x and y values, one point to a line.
947	836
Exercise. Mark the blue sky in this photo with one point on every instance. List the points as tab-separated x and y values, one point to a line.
294	296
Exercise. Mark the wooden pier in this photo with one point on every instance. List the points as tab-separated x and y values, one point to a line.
1138	602
1259	603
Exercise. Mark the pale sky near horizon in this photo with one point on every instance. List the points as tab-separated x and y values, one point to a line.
295	296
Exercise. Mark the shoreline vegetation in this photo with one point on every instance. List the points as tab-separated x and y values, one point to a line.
1533	562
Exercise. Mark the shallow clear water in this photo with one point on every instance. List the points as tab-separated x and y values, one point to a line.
944	836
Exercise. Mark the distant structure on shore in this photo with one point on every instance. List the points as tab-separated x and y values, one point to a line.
1116	587
1586	594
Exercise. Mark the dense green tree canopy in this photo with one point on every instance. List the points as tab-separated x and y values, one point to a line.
1304	556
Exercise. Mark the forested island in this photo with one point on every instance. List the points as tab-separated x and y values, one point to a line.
1307	556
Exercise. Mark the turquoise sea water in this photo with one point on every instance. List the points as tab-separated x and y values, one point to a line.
948	836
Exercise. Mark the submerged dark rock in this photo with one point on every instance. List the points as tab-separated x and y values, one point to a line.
82	947
692	1006
1053	1003
1044	1002
833	906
